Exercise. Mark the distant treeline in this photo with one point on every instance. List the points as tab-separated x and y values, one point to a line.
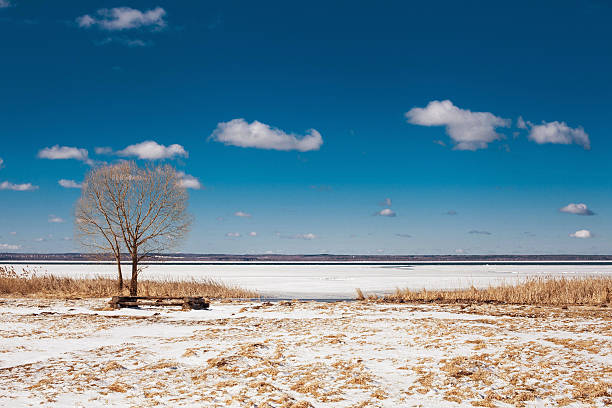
306	258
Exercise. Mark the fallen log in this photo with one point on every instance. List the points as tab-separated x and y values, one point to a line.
187	303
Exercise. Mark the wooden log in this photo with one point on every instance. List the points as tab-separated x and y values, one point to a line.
187	302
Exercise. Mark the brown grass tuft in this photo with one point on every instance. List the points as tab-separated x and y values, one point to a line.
29	284
551	291
360	295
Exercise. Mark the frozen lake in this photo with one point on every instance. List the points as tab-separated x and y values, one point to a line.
332	281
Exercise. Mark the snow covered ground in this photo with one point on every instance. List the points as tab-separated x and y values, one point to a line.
301	354
334	281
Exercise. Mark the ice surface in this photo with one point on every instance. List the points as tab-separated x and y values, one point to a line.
334	281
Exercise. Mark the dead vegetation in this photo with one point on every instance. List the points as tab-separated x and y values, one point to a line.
353	354
545	291
28	283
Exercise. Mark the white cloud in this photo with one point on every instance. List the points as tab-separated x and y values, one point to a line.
558	133
123	18
5	3
520	123
233	234
13	232
308	236
69	183
128	42
103	150
582	234
578	209
9	246
238	132
252	234
55	219
242	214
1	162
469	130
64	153
5	185
386	212
150	150
189	181
386	202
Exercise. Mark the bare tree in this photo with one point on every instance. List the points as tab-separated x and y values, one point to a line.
96	226
146	209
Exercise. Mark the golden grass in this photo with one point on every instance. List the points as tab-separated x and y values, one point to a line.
551	291
27	284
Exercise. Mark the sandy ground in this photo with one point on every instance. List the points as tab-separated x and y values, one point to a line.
301	354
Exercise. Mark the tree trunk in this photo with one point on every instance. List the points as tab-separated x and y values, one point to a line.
134	280
120	276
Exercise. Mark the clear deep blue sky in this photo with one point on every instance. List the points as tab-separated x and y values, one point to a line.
351	71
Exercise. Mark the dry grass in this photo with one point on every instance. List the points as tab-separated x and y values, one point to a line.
533	291
29	284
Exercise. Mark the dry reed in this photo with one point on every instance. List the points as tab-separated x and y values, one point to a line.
551	291
28	284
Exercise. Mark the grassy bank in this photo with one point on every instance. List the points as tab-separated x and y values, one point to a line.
25	284
533	291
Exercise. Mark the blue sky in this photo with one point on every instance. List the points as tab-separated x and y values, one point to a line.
305	118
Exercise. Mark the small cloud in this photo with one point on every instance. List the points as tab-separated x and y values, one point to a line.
233	234
1	162
459	251
5	185
321	187
468	130
451	212
520	123
65	153
242	214
55	219
69	183
10	247
238	132
578	209
5	4
13	232
104	150
386	212
150	150
478	232
309	236
252	234
66	239
440	142
403	235
189	181
557	133
386	202
581	234
128	42
124	18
